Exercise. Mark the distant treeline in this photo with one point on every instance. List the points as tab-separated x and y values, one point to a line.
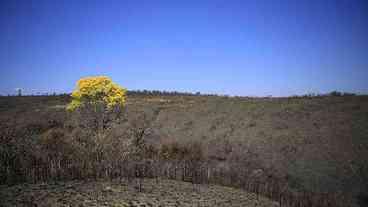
168	93
177	93
333	93
38	94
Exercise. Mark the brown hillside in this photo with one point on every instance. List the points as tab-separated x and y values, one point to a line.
318	143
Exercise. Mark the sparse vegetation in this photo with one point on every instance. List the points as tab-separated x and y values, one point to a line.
175	139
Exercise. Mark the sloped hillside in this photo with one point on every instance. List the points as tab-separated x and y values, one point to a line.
318	143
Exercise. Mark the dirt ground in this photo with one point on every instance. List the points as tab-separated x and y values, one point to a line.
124	194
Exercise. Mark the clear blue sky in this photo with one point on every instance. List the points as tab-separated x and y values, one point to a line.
241	47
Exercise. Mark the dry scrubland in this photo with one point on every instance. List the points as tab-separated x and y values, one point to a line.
314	146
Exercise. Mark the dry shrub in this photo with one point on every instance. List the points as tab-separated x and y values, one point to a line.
77	151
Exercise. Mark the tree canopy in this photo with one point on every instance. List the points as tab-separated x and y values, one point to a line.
97	90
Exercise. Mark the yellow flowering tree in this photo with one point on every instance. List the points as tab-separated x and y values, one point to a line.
97	91
96	107
97	103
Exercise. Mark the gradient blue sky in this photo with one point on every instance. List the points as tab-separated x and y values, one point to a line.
242	47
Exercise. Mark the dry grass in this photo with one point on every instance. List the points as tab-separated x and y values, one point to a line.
317	143
123	194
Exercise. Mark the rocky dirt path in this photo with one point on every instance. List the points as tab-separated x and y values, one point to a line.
124	194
